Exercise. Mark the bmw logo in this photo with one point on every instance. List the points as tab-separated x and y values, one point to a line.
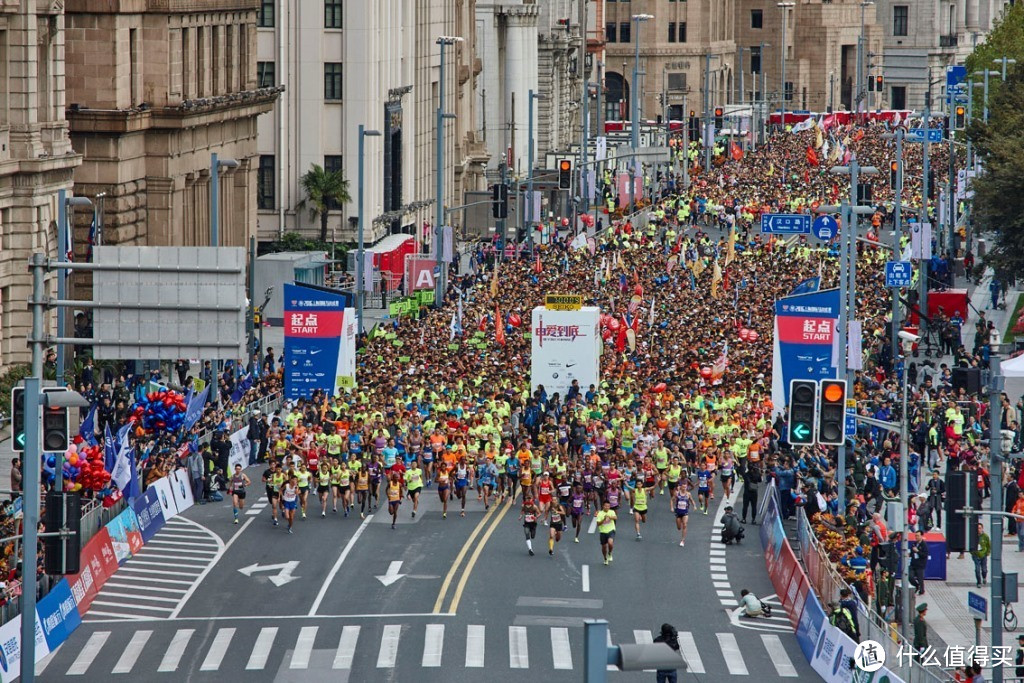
554	375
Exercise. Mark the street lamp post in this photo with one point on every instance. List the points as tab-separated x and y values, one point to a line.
215	166
861	94
442	42
635	124
360	290
65	222
707	129
1004	60
785	6
986	73
528	206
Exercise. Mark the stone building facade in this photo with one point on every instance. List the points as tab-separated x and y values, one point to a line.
36	157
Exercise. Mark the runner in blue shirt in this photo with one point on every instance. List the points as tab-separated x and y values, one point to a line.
704	486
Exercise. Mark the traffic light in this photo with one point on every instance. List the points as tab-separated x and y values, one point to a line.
565	174
879	84
18	419
693	127
961	529
863	194
959	117
803	395
56	429
871	84
832	412
63	511
499	200
718	118
894	175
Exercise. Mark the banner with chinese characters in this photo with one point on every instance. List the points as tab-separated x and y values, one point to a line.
566	346
319	342
805	325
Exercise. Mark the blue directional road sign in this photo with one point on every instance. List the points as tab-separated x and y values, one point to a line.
786	224
917	135
825	227
897	274
977	605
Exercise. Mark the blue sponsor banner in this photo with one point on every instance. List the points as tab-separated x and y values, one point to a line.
811	619
149	512
804	328
315	337
58	614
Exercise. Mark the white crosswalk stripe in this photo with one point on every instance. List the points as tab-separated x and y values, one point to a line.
187	651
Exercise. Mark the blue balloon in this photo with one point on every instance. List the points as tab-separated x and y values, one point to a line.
51	461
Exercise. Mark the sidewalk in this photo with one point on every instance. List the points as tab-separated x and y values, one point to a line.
948	617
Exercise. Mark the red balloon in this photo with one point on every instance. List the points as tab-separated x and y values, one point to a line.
168	401
752	336
614	324
606	334
705	372
660	387
744	334
514	320
106	477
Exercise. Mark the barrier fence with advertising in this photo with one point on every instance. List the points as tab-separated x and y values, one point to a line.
830	652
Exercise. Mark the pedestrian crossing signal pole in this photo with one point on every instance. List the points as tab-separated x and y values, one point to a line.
599	654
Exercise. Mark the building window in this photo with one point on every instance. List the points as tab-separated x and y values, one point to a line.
681	32
755	59
624	32
265	183
900	19
332	81
756	18
332	13
677	81
265	17
671	31
610	32
898	100
266	74
789	91
332	164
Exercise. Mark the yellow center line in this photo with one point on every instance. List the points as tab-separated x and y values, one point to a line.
458	558
457	596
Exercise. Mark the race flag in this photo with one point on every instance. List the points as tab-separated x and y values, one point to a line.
719	366
109	451
812	156
453	328
730	252
87	430
650	321
69	242
243	386
494	282
811	284
818	139
538	267
460	313
806	124
735	151
716	277
499	327
194	408
125	475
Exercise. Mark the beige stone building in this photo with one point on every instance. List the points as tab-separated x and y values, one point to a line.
673	46
155	87
36	159
820	52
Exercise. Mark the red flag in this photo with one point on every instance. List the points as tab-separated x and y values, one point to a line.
812	156
859	135
736	152
537	267
499	327
620	340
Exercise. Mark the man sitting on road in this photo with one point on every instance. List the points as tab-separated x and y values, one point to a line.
732	530
750	604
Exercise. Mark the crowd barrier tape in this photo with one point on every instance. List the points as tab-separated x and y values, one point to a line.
60	611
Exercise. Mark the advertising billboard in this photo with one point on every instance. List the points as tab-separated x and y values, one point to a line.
566	345
319	342
805	329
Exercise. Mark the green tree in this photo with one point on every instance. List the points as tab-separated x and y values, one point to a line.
998	200
1005	40
323	189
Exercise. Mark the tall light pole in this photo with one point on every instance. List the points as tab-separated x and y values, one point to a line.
65	224
986	73
861	94
1004	60
785	6
215	166
360	290
529	205
764	91
635	123
708	129
442	42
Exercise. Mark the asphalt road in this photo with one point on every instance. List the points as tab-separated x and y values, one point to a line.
467	595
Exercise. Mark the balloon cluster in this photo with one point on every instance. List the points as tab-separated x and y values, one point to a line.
587	219
83	465
748	335
159	411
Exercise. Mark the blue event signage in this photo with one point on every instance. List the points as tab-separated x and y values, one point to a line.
786	223
917	135
319	341
58	614
149	512
804	328
825	227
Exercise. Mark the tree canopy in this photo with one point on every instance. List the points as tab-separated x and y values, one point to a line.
325	190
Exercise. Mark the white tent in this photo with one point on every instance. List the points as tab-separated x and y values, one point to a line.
1013	367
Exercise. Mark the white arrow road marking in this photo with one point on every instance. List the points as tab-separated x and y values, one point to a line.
284	571
392	574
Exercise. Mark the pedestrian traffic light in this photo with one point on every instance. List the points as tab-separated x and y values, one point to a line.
802	407
56	429
961	529
959	117
718	118
832	412
565	174
894	175
18	419
63	512
499	200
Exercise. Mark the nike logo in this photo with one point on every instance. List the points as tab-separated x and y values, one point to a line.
820	359
315	351
569	365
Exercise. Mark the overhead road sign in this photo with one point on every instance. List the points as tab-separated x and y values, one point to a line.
786	224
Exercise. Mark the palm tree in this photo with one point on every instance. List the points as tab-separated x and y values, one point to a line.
323	189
